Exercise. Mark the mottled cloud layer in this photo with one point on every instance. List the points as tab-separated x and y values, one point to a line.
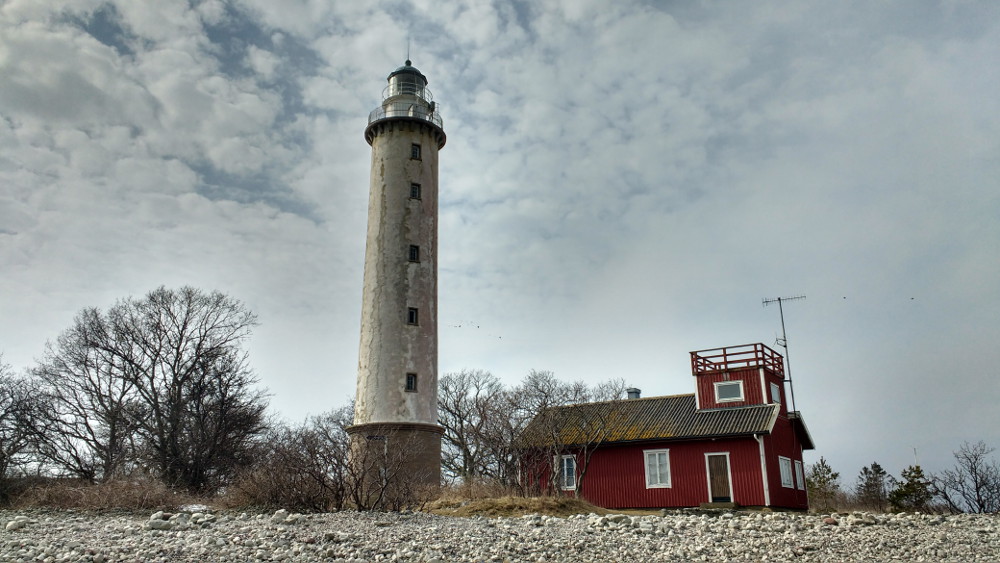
622	183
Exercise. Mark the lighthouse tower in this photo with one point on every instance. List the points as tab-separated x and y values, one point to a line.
395	410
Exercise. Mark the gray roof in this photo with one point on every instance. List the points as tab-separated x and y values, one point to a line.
672	417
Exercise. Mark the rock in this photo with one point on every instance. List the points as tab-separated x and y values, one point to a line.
62	537
160	525
830	521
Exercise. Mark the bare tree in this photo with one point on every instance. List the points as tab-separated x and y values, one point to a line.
88	428
303	467
485	423
160	382
467	404
19	410
504	419
594	425
557	431
973	485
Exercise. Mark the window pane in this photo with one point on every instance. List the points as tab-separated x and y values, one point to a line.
657	469
785	466
727	391
568	472
664	474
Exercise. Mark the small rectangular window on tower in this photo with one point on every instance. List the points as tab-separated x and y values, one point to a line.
411	382
414	191
411	316
415	151
414	253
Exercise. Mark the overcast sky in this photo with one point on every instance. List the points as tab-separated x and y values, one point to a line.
623	183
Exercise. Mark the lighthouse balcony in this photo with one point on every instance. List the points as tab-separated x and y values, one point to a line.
406	109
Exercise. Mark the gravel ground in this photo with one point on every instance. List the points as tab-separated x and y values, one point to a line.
65	536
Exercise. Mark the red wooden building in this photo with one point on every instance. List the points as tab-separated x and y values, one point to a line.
732	441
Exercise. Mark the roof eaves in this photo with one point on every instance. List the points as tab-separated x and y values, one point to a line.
806	439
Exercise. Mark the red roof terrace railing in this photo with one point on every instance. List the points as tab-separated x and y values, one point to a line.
737	357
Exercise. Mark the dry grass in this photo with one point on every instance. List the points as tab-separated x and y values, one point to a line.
511	506
129	495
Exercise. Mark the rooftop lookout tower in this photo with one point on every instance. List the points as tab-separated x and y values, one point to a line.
738	376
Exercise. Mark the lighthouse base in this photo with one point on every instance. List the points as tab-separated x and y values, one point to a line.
394	465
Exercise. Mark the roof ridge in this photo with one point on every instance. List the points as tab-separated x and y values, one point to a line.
679	395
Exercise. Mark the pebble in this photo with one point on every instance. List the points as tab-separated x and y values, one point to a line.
367	537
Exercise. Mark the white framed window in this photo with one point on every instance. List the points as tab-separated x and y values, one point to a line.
775	393
411	382
657	468
800	480
567	472
415	151
727	391
415	191
785	466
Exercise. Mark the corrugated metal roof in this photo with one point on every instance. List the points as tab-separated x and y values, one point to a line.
654	418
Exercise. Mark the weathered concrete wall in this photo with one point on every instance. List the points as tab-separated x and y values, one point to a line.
391	348
404	458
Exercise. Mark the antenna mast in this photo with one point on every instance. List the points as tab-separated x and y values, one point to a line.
783	341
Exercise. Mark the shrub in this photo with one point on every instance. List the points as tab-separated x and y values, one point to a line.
142	494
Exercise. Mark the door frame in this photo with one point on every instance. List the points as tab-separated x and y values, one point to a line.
729	475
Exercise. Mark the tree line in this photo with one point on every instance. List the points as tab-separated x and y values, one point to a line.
157	386
971	485
160	388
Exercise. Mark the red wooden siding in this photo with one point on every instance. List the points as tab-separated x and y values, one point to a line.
616	475
783	442
752	394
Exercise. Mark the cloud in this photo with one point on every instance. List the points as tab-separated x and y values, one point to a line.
621	184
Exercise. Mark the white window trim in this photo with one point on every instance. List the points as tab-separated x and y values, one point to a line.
737	399
799	476
559	466
775	387
645	457
785	467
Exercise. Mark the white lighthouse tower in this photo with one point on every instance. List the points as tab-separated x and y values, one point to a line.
395	410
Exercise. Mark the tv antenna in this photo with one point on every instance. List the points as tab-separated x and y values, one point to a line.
783	341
